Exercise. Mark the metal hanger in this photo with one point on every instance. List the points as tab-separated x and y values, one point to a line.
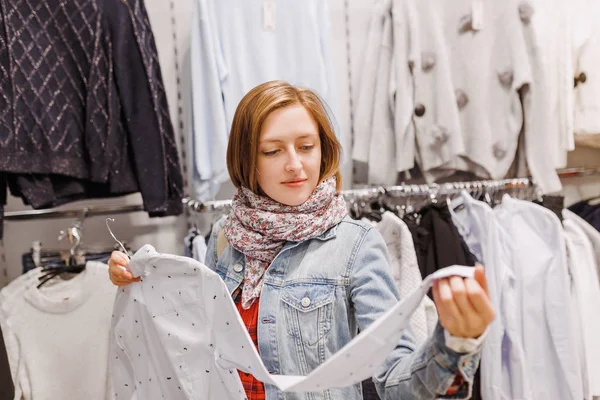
74	235
114	237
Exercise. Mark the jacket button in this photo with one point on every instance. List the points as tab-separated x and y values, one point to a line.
525	12
461	98
305	302
581	78
428	61
238	268
506	78
420	110
498	152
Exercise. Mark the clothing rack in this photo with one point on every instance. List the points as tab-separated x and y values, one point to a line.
363	194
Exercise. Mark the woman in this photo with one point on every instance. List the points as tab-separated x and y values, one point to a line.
306	277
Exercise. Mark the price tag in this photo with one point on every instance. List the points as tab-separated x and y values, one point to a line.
269	15
477	15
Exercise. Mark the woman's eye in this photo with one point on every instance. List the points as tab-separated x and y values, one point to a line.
307	147
270	153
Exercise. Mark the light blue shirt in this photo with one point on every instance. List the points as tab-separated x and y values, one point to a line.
504	374
545	311
530	351
232	51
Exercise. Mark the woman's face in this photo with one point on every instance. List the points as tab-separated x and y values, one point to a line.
289	155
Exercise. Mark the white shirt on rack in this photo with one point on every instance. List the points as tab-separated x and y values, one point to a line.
590	232
586	286
406	273
504	370
239	44
58	335
537	252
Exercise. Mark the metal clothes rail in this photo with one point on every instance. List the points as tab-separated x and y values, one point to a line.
401	191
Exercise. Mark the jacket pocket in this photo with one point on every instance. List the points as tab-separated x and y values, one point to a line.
308	309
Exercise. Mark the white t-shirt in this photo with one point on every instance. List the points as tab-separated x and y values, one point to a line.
57	336
406	273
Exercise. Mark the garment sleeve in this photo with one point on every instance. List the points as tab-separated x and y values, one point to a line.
6	382
402	83
210	126
365	105
145	111
382	146
531	78
11	344
425	372
558	310
331	96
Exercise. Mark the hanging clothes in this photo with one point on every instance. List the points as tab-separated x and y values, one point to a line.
586	39
6	384
420	98
588	211
195	245
85	84
407	276
438	245
406	93
239	44
489	49
548	27
406	273
437	241
538	258
584	272
503	364
57	336
590	232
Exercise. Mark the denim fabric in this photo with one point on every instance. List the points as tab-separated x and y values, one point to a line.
317	295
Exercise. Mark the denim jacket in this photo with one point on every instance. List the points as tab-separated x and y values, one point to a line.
318	294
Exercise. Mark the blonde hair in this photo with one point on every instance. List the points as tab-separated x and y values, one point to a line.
251	113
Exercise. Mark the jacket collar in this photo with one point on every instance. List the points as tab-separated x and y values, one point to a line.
238	257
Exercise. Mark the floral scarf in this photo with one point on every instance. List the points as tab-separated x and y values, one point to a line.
258	227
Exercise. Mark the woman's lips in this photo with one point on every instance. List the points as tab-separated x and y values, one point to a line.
295	183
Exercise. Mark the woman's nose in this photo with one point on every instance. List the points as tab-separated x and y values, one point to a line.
293	163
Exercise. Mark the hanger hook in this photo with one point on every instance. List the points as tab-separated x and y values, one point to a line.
113	235
74	233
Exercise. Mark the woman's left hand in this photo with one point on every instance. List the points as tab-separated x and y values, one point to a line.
463	304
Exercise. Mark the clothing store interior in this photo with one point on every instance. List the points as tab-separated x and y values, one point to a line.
299	200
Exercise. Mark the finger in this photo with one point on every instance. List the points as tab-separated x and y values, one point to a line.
119	258
121	273
481	279
124	282
459	293
447	299
479	300
436	298
119	282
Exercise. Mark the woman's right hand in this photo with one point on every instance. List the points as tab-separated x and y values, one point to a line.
117	272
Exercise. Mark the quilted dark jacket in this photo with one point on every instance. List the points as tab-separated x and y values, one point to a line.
81	96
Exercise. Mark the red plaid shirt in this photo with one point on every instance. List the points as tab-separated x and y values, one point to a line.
255	389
